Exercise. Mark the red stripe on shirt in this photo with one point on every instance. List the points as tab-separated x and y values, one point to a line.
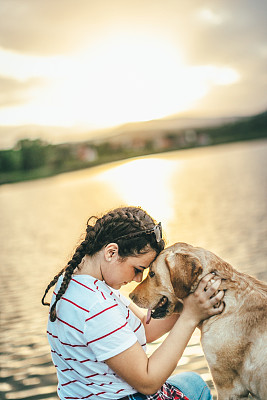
76	305
67	383
106	309
121	390
60	355
71	359
99	289
91	376
138	327
102	384
72	302
110	333
71	326
87	287
83	361
65	344
86	397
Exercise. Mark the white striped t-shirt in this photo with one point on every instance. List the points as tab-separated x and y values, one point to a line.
93	324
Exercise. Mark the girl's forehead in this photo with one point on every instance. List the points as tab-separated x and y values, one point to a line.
146	259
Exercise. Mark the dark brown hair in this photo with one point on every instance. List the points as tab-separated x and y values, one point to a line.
130	227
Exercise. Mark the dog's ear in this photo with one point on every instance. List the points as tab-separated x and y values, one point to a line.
184	270
179	306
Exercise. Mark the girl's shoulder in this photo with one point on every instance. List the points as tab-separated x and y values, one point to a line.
86	294
92	291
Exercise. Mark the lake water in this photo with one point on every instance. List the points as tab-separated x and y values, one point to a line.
213	197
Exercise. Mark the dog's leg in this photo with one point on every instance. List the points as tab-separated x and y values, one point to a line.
230	394
235	398
233	389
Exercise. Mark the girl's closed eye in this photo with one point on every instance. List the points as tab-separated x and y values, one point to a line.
138	271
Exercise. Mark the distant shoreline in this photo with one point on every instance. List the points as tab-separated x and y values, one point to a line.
45	172
35	159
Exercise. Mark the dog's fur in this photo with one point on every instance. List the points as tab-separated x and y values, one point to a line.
235	341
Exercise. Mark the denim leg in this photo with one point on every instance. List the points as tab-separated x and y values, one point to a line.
192	385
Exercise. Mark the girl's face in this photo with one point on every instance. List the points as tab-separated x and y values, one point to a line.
120	273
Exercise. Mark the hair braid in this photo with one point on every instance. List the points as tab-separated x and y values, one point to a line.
139	218
67	277
50	285
135	219
68	271
120	220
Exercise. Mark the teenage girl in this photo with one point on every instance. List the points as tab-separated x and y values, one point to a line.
98	339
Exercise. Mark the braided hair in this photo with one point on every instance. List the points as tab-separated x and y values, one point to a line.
130	227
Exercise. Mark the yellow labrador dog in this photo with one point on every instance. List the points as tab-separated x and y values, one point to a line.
234	342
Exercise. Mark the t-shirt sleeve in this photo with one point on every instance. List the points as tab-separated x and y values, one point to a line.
107	330
124	299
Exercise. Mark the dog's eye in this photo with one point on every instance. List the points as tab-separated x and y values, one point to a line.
151	274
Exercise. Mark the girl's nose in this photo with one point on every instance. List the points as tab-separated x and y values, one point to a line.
138	277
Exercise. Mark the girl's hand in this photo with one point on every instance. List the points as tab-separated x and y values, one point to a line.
206	301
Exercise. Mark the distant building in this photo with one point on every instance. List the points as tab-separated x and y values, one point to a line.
204	139
86	153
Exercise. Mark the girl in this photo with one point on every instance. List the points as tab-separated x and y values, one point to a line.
98	338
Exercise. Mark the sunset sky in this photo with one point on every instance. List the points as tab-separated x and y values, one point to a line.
93	64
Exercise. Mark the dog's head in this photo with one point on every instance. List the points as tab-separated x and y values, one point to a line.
172	276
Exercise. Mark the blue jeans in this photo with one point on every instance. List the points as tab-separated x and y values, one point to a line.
190	383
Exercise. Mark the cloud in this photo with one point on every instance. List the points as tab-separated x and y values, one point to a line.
225	33
240	33
69	49
13	92
56	27
51	27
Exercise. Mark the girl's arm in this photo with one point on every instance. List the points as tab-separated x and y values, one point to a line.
147	375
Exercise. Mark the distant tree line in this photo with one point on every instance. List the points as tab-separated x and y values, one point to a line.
31	159
254	127
31	154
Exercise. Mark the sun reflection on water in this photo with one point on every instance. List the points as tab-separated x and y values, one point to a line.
145	182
